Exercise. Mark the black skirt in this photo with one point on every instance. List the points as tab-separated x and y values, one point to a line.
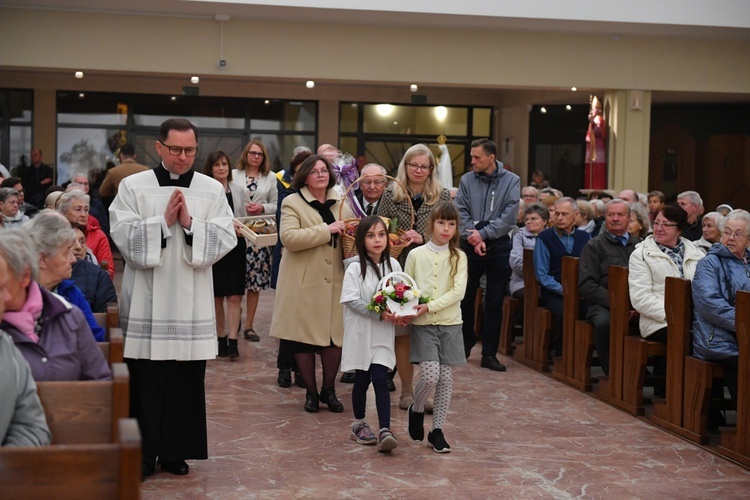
229	272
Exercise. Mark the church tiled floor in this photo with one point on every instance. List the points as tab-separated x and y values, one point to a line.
517	434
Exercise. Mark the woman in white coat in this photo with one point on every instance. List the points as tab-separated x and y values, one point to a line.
662	254
253	174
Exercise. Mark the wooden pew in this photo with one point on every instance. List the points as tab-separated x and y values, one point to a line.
86	412
104	470
610	386
511	308
636	353
95	451
735	442
537	321
114	350
678	304
574	367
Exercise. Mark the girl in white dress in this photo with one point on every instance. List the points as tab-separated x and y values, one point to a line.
369	336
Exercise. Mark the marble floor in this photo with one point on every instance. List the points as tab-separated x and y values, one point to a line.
517	434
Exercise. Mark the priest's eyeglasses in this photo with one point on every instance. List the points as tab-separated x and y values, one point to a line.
177	150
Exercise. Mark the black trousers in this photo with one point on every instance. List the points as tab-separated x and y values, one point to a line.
495	264
168	398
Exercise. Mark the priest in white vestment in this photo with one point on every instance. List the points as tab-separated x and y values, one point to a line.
171	225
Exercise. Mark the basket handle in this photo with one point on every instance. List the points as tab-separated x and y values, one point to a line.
351	186
397	274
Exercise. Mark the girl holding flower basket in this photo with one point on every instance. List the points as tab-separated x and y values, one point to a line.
440	269
369	330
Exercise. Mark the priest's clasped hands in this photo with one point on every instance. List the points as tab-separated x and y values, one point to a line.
177	210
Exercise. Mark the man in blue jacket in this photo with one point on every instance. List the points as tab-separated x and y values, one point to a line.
487	203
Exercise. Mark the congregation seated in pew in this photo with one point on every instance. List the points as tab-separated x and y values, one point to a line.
718	278
22	421
664	253
612	246
535	220
51	333
93	281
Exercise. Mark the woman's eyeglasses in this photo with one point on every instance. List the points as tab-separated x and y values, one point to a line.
658	223
256	154
738	235
319	173
415	167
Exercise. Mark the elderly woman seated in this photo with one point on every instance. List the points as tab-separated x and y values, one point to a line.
535	221
9	208
711	232
718	277
91	279
74	205
51	333
54	240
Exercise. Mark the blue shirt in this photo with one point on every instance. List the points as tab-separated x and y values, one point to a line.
542	260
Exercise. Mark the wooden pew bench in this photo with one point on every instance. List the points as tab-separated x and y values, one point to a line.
537	321
610	388
511	309
574	367
95	450
735	442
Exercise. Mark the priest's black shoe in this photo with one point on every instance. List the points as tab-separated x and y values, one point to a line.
285	378
179	468
348	377
492	363
147	470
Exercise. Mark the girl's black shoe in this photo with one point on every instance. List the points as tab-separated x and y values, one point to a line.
223	347
233	352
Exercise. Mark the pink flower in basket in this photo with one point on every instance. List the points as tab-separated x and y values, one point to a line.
399	296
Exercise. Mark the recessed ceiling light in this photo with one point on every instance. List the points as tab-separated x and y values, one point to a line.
573	89
79	74
195	80
543	110
173	98
568	107
413	87
266	102
81	95
310	84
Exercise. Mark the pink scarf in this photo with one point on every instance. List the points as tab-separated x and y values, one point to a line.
25	319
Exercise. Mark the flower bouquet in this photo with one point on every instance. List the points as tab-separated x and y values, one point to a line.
398	293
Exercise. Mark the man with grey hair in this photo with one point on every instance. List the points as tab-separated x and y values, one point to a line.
371	188
551	246
613	247
628	196
9	204
691	202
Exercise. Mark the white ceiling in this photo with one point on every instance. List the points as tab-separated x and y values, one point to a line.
727	19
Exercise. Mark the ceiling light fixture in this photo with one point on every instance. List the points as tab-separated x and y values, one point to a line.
573	89
568	107
79	74
543	110
310	84
413	87
195	80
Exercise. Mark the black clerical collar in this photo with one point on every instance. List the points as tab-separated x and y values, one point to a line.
164	177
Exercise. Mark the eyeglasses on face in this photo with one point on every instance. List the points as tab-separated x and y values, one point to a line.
415	167
256	154
738	235
177	150
658	223
319	173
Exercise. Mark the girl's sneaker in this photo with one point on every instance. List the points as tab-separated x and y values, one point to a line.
387	441
362	434
415	426
437	440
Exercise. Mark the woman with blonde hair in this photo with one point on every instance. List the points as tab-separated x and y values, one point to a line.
253	174
421	191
